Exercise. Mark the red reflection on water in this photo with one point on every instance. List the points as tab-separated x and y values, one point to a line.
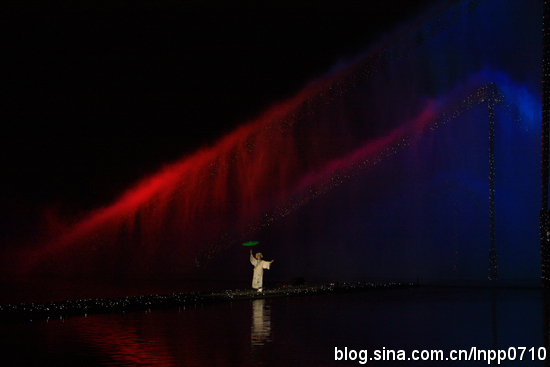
192	337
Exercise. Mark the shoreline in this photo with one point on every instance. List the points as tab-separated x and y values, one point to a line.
65	309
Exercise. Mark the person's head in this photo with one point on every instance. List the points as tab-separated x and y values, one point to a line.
259	256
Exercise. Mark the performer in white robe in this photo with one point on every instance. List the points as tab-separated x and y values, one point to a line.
259	266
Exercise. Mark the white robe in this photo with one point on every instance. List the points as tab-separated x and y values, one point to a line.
259	266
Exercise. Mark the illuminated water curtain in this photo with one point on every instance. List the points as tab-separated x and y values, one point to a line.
305	149
545	213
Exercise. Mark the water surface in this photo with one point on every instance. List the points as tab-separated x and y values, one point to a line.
293	331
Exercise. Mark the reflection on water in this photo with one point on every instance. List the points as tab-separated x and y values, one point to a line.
261	322
546	324
291	331
494	320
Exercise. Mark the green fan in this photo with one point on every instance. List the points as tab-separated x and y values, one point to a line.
251	243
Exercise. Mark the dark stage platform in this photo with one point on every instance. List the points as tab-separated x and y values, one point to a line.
64	309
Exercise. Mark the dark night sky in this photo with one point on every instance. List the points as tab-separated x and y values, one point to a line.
95	95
